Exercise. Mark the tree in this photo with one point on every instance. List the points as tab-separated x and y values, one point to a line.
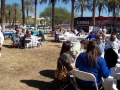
35	2
113	5
93	12
3	15
15	6
101	5
59	18
28	8
53	6
72	14
9	8
23	12
82	5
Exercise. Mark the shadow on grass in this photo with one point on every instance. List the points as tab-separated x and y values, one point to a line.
8	46
42	85
48	73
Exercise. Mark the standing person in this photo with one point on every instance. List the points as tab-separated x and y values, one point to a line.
24	27
1	41
91	36
92	62
104	30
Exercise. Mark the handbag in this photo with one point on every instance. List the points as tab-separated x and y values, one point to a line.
62	74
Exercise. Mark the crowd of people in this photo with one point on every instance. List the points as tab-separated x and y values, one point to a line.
19	37
88	56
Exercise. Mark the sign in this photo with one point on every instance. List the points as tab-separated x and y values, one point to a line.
83	23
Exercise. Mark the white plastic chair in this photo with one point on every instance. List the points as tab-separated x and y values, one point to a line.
28	44
38	41
116	77
107	83
84	76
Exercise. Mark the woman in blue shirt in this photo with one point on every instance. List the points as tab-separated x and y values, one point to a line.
92	62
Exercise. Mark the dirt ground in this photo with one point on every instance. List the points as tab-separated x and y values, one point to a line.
29	69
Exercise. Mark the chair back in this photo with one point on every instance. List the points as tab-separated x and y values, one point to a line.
28	38
84	76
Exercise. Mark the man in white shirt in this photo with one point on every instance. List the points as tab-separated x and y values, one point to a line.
1	41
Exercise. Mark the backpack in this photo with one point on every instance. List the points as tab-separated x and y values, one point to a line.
110	57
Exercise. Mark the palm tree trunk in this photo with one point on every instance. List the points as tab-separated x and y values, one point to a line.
81	11
35	12
3	15
15	16
93	13
27	17
99	10
114	7
53	7
72	14
99	13
23	12
9	17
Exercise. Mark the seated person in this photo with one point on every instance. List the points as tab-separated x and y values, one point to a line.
26	36
23	32
79	47
92	62
113	42
41	35
91	35
80	32
66	59
118	36
100	43
15	38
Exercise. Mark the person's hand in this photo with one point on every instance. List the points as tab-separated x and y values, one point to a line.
76	53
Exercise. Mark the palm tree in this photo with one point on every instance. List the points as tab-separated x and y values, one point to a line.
3	14
101	5
23	12
9	8
93	12
28	8
16	7
112	5
72	14
82	5
35	3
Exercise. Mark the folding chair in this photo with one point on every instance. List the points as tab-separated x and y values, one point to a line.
84	76
38	40
28	44
72	81
116	77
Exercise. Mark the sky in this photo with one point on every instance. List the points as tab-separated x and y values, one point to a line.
41	7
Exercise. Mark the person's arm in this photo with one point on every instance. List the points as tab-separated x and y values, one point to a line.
104	70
